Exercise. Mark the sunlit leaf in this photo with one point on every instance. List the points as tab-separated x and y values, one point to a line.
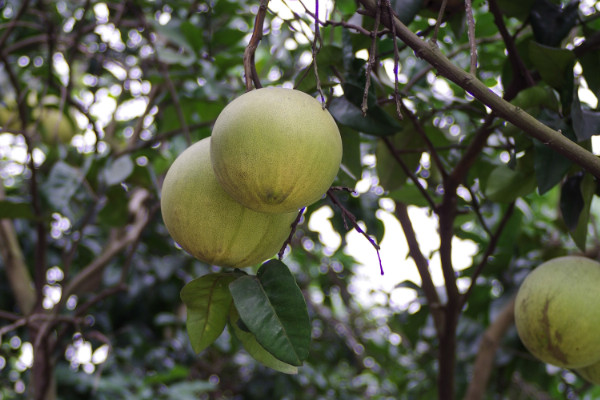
208	301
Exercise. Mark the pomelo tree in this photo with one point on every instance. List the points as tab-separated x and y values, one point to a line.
463	124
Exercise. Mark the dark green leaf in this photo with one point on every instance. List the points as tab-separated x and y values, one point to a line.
409	194
554	65
193	35
571	200
588	188
550	166
505	185
551	23
351	158
254	348
575	202
409	145
517	9
406	10
377	122
15	210
208	302
590	63
273	308
586	123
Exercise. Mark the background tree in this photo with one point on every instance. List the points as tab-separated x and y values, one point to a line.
480	113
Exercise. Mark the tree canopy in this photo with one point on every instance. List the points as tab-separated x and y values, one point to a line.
481	115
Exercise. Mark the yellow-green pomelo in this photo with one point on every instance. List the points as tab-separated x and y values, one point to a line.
54	125
9	119
208	223
590	373
275	150
557	312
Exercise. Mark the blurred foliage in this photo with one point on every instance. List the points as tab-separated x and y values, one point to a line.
141	80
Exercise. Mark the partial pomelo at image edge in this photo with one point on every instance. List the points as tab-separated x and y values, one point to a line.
276	150
557	310
207	223
590	373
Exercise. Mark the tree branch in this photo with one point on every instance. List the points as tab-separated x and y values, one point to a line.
432	54
490	341
17	273
257	34
422	266
118	242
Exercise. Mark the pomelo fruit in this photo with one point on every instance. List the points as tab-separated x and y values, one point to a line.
557	312
275	150
208	223
590	373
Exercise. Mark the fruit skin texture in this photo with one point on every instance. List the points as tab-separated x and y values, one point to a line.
208	223
590	373
275	150
557	310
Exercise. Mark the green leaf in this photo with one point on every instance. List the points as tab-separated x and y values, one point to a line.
554	65
571	201
590	63
377	122
273	308
575	201
193	34
15	210
116	171
551	23
518	9
391	174
178	372
588	188
550	166
61	184
586	123
505	185
208	302
254	348
351	158
406	10
409	194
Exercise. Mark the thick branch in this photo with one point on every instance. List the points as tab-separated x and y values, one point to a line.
17	273
257	34
432	54
490	341
117	243
422	265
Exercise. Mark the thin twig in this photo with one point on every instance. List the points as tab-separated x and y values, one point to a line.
291	235
161	138
249	54
409	173
471	35
396	62
488	252
371	61
422	265
430	146
436	30
316	46
175	97
347	214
